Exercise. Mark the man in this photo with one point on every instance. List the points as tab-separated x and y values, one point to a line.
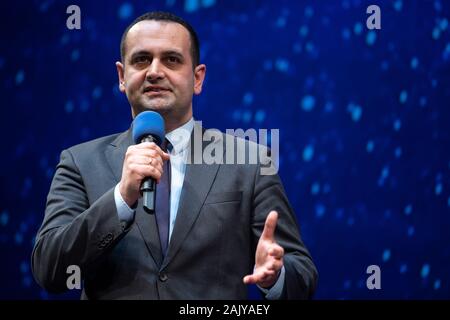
227	225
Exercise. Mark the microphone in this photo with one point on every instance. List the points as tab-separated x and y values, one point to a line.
148	126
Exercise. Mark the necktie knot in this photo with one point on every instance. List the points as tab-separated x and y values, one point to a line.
166	146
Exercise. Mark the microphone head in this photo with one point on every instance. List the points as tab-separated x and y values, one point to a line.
148	123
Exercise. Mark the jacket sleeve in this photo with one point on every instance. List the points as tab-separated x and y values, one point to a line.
300	271
74	231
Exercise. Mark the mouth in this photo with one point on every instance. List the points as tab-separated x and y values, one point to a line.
155	90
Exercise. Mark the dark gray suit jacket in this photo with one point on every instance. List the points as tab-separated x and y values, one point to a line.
220	218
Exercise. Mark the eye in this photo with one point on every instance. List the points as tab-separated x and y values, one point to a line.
141	60
173	59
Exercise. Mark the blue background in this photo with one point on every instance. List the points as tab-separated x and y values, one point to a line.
363	118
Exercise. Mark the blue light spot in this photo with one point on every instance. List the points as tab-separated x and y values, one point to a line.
346	33
281	22
385	172
403	96
68	107
437	6
423	101
357	29
208	3
309	12
75	55
310	47
414	63
371	37
125	11
355	111
4	217
18	238
308	103
384	65
437	284
236	115
247	116
347	284
260	115
408	209
398	5
329	106
443	24
97	92
434	83
438	189
308	153
350	221
369	146
247	99
320	210
403	268
44	6
397	125
386	255
191	5
303	31
24	267
282	65
398	152
436	33
20	76
425	271
448	201
315	188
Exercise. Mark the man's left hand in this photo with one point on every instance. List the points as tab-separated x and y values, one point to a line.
268	257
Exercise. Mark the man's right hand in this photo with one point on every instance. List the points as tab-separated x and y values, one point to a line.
141	161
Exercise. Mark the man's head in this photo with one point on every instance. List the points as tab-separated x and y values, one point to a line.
160	67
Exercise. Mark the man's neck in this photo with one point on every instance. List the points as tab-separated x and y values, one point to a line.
172	124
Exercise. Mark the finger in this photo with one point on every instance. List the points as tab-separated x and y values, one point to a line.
153	146
276	251
269	226
146	145
146	171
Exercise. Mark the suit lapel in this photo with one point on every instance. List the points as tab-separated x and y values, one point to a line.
146	223
198	180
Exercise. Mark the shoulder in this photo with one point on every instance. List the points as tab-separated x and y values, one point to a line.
95	145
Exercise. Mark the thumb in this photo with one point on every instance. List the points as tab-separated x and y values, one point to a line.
269	226
165	156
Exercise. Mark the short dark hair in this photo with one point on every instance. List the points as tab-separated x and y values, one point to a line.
170	17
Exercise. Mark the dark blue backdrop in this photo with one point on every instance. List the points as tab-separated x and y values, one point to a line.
363	118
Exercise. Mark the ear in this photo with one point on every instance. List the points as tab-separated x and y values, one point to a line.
120	74
199	77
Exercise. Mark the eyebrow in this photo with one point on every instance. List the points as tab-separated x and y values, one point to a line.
164	53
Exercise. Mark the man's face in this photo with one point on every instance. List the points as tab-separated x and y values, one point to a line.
157	72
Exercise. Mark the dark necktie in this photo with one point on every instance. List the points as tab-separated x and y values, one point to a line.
162	206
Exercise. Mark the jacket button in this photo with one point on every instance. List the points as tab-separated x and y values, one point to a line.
163	277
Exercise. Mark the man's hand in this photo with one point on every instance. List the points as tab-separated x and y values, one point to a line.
269	256
141	161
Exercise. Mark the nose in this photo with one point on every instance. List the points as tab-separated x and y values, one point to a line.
155	71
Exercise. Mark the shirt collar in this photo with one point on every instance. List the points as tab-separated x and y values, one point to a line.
179	138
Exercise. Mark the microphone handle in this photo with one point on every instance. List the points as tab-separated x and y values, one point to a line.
148	187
